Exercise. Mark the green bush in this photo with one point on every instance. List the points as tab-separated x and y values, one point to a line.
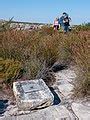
9	70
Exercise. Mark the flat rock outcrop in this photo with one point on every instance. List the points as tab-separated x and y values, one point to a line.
49	113
82	110
64	108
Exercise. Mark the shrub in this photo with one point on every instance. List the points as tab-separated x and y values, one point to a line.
80	54
9	70
83	27
35	48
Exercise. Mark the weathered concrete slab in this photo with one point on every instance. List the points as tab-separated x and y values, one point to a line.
82	110
32	94
50	113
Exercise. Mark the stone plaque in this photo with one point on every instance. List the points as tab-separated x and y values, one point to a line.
31	94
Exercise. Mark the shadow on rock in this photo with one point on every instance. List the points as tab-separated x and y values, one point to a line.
58	67
56	98
3	106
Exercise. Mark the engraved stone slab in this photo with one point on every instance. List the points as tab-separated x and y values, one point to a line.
32	94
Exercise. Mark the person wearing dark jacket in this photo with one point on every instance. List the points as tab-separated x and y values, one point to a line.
64	22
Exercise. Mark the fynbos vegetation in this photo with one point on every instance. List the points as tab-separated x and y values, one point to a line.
33	50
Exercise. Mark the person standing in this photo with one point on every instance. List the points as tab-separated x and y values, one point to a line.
56	24
64	22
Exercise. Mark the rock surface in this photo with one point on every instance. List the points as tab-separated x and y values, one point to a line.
64	82
32	94
63	109
50	113
82	110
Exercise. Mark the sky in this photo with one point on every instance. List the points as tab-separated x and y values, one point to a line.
45	11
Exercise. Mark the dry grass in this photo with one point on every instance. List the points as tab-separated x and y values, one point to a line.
80	50
35	48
